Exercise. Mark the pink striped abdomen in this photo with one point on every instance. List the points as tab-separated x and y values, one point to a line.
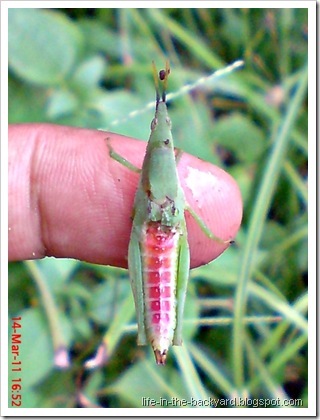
159	248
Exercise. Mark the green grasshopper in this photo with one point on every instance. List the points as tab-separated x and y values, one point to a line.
159	256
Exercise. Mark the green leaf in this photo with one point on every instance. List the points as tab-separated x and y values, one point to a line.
56	275
142	382
99	38
20	98
105	299
91	388
61	102
241	136
43	45
90	72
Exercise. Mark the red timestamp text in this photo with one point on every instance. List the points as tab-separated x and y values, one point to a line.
16	380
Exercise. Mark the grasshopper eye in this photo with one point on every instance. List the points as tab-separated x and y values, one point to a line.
166	142
162	74
168	121
154	122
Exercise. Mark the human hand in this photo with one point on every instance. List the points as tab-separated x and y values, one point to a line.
68	198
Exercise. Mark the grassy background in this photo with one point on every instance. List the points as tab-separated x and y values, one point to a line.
245	330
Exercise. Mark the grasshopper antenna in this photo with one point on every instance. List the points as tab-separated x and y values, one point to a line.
163	77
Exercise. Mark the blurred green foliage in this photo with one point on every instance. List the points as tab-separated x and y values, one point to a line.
245	329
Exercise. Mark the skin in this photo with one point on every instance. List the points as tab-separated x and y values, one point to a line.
69	199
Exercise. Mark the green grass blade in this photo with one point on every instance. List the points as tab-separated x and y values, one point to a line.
268	184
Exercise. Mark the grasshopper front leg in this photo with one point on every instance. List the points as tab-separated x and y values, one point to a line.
120	159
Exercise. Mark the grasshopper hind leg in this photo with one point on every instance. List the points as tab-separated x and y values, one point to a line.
135	270
182	283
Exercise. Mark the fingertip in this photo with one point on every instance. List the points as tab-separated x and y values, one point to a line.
74	200
215	197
